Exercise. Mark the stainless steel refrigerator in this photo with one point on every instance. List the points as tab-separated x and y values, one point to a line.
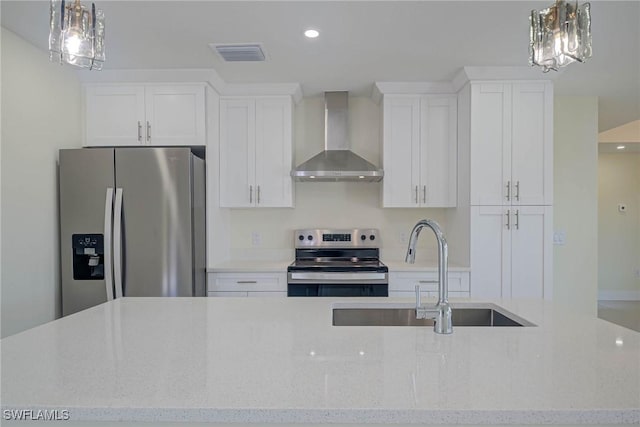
132	223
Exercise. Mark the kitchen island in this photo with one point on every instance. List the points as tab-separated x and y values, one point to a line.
254	360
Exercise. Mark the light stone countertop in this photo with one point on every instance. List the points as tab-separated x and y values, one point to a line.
261	360
250	267
425	266
281	267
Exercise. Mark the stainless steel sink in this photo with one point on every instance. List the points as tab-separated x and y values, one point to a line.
380	315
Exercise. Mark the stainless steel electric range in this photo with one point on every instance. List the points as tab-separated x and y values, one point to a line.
337	263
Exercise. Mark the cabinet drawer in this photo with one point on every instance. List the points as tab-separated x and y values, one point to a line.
407	281
247	282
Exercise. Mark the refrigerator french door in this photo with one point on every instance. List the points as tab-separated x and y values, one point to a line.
132	223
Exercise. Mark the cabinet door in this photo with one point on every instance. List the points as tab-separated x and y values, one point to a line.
114	115
490	143
273	152
531	237
438	151
532	144
175	115
237	156
490	251
401	151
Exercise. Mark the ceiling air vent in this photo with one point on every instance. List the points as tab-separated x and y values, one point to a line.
239	52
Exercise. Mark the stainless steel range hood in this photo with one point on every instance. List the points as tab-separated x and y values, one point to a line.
337	162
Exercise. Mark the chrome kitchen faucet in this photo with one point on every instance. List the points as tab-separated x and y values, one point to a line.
441	312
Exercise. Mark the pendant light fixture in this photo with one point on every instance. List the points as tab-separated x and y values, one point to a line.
76	34
560	35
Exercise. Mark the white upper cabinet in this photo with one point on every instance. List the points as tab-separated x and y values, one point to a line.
237	152
114	115
256	152
175	115
419	150
511	143
118	115
438	150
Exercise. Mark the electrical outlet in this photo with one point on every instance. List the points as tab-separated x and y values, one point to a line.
256	239
560	237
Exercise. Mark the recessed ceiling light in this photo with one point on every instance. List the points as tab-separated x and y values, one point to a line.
312	34
620	147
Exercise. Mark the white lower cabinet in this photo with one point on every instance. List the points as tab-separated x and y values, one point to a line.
403	284
241	284
511	251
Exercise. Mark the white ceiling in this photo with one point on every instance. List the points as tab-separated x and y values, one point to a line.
360	42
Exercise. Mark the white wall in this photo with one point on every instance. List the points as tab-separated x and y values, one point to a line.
576	202
331	204
40	114
619	232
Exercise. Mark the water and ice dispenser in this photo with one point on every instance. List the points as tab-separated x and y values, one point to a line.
88	256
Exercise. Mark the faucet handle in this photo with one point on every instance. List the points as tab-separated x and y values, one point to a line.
418	302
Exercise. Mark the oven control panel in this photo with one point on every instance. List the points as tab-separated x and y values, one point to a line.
330	238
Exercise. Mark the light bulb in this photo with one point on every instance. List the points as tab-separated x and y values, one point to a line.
72	43
312	34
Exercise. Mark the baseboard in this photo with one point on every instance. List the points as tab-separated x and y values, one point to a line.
619	295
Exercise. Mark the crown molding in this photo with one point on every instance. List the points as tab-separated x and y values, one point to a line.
409	88
474	73
147	76
209	76
262	89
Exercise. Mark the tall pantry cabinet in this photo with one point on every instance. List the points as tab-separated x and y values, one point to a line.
506	140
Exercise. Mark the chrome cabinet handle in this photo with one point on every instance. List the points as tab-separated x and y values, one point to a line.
117	245
517	219
428	281
139	131
418	302
258	195
424	194
416	194
508	190
148	131
108	234
508	219
241	282
518	191
251	194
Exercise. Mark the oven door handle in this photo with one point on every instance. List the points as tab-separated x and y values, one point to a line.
328	278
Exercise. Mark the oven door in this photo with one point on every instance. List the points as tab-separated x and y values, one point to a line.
334	284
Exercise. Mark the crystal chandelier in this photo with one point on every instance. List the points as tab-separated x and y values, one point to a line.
76	34
560	35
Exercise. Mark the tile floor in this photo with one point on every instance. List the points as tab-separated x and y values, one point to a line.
623	313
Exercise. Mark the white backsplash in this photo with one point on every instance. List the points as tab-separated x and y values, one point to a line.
329	205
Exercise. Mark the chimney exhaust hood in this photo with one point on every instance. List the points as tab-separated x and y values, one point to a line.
337	162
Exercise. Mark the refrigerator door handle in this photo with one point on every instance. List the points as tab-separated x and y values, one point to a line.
108	225
117	243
